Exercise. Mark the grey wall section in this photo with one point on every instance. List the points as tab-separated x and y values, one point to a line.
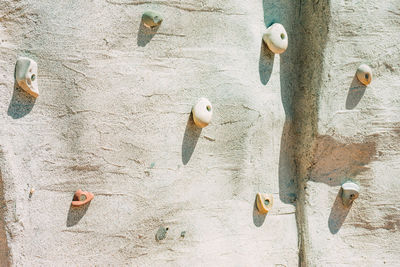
113	118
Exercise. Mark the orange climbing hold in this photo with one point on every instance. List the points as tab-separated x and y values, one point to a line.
264	203
81	198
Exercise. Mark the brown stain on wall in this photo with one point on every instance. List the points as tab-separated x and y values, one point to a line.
335	161
390	222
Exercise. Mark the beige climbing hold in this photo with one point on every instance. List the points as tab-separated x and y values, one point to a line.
364	74
264	202
202	112
350	192
26	75
276	38
151	19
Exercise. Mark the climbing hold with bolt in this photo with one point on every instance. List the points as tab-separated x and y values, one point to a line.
364	74
26	75
151	19
264	202
350	192
81	198
202	112
276	38
161	233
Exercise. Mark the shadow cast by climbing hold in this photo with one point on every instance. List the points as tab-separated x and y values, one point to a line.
258	218
273	11
21	103
75	214
287	185
338	214
145	34
356	92
265	63
190	138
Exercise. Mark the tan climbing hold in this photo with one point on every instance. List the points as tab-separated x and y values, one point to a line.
202	112
264	202
26	75
81	198
364	74
151	19
276	38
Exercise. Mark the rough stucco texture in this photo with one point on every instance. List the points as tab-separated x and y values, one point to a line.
358	137
113	118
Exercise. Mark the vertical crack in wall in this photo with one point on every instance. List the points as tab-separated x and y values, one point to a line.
301	70
312	38
4	251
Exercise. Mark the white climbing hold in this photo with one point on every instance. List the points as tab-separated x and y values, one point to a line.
364	74
350	191
202	112
26	75
276	38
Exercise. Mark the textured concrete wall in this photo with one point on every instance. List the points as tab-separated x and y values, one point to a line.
113	118
358	138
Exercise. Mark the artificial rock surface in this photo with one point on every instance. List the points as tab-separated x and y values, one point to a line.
113	118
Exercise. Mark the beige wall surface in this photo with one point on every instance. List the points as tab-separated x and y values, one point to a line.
357	138
114	118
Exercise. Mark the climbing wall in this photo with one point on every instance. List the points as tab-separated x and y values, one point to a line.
357	137
113	117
